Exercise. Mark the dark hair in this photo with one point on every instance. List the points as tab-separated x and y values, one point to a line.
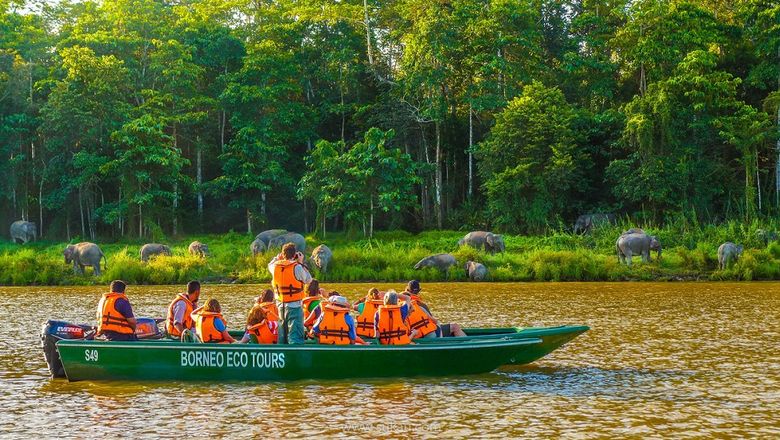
288	250
193	286
256	315
313	288
212	305
268	296
118	286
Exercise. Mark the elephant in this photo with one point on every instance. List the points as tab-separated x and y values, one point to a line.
482	239
199	249
634	231
443	262
151	249
257	247
475	271
23	231
321	257
267	236
628	245
291	237
765	236
728	253
586	222
84	254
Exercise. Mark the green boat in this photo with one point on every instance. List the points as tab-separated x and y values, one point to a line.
71	353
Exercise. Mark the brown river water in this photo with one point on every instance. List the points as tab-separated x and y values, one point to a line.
661	360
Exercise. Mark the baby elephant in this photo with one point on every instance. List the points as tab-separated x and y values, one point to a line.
728	253
257	247
199	249
151	249
84	254
476	271
321	256
443	262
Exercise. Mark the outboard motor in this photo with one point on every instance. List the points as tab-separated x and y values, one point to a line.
54	331
146	328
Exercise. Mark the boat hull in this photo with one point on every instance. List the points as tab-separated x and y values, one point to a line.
166	360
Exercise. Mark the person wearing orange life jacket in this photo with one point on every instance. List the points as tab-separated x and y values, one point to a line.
311	304
181	308
336	326
259	325
289	278
421	318
269	305
210	326
115	317
391	322
366	308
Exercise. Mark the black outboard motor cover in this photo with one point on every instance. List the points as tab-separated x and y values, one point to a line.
54	331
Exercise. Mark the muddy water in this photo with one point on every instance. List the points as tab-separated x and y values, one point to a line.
680	360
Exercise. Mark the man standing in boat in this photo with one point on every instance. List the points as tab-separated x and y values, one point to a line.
115	314
290	277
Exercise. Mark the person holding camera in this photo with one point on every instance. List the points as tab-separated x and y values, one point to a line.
290	277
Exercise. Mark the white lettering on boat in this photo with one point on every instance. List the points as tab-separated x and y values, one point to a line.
231	359
90	355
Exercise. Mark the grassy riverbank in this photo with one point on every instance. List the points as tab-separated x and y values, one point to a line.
690	253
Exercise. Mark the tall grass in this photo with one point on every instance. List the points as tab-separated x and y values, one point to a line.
690	252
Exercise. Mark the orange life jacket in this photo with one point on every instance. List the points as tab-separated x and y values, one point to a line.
109	318
271	311
391	328
333	327
419	320
365	321
264	334
205	328
186	321
306	305
286	286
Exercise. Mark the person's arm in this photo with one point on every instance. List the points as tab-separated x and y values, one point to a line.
302	275
195	312
312	318
178	316
245	339
221	327
315	330
272	264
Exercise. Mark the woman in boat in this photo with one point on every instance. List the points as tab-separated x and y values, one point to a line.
391	323
210	326
367	308
336	326
311	304
258	325
266	300
422	320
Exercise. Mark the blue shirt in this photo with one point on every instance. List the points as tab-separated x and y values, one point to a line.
122	306
347	318
219	325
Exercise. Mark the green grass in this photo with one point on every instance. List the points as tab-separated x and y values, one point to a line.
690	253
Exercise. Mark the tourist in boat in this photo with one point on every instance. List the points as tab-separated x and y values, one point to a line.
422	320
367	308
289	278
391	320
311	304
178	318
269	306
116	320
258	325
336	326
210	326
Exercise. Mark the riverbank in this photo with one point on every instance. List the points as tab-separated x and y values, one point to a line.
690	253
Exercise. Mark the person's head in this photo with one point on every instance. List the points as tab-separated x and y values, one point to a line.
413	287
373	293
118	286
333	293
313	288
391	298
268	296
212	305
288	251
338	300
256	315
193	290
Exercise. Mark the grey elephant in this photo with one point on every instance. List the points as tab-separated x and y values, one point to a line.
628	245
484	240
257	247
728	253
475	271
321	257
291	237
267	236
84	254
199	249
443	262
23	231
587	222
765	236
151	249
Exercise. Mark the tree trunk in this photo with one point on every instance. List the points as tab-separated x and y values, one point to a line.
262	204
471	154
305	218
81	212
222	118
439	209
758	185
175	209
371	219
40	201
140	222
369	50
777	164
199	179
248	222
